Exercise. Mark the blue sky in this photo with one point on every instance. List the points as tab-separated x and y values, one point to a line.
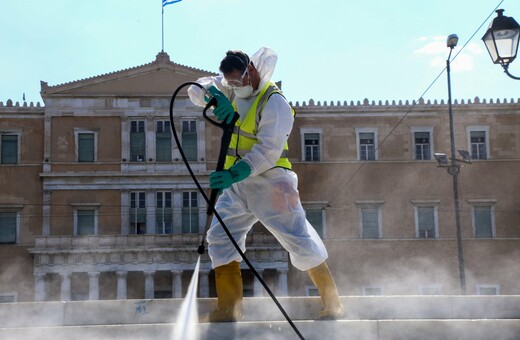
339	50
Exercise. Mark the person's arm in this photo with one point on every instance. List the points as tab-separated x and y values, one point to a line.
196	94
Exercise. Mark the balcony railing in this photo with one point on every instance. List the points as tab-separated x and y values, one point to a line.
137	241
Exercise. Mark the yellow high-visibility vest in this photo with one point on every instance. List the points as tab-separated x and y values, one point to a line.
244	136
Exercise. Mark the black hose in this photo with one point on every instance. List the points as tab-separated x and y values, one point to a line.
214	211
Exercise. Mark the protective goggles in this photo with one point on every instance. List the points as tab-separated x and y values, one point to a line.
234	83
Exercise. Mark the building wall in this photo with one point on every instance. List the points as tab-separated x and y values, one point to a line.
399	263
48	184
63	143
20	192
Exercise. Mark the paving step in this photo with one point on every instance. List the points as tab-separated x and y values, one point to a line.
116	312
500	329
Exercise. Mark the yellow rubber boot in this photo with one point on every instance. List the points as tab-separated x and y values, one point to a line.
228	280
322	279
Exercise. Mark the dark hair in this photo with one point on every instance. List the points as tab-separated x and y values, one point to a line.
234	60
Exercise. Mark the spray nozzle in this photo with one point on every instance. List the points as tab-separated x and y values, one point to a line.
207	95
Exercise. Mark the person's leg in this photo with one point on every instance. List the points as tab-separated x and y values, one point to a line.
284	216
228	281
226	259
322	279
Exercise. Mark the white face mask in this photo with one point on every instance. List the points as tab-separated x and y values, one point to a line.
244	91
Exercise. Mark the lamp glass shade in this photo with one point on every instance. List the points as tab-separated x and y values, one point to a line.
501	39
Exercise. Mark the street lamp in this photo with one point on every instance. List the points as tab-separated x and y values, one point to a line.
501	40
453	168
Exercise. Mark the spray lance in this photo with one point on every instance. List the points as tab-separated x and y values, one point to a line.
227	131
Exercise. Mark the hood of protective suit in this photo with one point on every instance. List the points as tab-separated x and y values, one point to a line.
264	61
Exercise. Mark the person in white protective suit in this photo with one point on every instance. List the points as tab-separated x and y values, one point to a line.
257	183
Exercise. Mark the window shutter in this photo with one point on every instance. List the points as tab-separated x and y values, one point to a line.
86	147
189	139
8	227
370	222
86	220
163	142
163	147
426	220
137	146
190	213
483	226
9	150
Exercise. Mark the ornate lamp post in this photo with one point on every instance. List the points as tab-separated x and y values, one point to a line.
501	40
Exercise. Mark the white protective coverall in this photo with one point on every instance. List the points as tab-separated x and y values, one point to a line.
269	194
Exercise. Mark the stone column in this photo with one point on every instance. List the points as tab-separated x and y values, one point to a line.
93	284
121	284
282	282
258	289
39	287
204	284
149	284
177	283
65	286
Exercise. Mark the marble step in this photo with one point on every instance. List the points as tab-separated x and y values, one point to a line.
117	312
461	329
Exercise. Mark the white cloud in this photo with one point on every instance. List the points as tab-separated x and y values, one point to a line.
436	50
434	47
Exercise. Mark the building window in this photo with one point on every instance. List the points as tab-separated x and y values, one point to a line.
372	291
9	148
86	145
488	290
189	139
315	218
478	145
370	220
366	142
426	222
137	141
164	213
8	227
190	213
483	220
312	147
163	141
85	221
422	143
478	138
310	139
137	213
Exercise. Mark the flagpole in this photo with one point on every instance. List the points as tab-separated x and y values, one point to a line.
162	46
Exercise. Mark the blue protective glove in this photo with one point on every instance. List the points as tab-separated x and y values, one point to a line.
224	179
224	111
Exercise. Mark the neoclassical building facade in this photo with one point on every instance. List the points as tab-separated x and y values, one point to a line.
97	204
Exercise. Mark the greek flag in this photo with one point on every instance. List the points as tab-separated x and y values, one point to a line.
169	2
